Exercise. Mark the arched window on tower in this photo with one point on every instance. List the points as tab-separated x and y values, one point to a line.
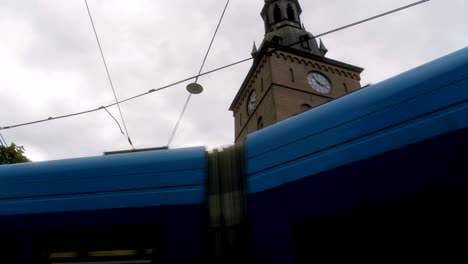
305	41
290	12
277	40
277	14
292	75
260	123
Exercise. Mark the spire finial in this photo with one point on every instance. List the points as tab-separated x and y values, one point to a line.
254	50
322	48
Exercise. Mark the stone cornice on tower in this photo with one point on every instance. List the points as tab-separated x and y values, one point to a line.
268	48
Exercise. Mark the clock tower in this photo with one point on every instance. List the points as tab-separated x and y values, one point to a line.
290	73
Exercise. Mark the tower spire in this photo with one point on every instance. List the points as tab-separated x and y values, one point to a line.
283	26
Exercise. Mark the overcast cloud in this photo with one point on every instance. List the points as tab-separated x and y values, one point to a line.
50	64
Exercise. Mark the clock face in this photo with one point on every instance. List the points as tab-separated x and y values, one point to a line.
251	104
319	83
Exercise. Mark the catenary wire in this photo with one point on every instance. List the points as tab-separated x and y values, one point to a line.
212	40
109	76
174	131
123	101
372	18
273	50
192	77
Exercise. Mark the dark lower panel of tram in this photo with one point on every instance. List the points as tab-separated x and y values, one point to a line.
424	228
149	235
406	203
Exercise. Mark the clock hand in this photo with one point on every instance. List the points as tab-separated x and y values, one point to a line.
319	82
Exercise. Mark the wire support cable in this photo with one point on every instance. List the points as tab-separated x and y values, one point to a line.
2	139
109	77
174	131
199	75
184	109
115	119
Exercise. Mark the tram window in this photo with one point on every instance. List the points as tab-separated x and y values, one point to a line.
116	245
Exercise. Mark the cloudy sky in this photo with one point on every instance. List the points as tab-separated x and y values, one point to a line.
50	63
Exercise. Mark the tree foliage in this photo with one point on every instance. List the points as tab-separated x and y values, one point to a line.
12	154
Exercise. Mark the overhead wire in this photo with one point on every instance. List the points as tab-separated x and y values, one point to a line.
373	18
202	74
109	77
174	131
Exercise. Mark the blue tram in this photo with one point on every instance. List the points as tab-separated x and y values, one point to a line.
378	175
126	207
